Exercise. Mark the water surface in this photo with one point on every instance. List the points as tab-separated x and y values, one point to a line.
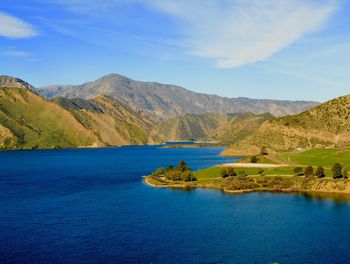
91	206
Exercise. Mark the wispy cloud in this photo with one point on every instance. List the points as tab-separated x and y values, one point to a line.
237	32
231	32
15	53
12	27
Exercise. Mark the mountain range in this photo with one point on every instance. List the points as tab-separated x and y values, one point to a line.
102	113
164	100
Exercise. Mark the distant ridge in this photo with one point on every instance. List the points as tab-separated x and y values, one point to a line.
165	100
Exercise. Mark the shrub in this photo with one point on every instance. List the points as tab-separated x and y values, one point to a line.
223	173
309	171
242	173
346	174
159	172
254	159
188	176
337	171
263	150
298	171
231	172
170	168
320	172
261	172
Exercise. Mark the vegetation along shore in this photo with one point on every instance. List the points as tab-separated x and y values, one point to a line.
264	172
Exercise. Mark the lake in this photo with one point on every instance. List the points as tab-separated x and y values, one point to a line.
91	206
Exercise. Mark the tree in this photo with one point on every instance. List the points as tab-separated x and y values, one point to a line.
309	171
158	172
170	168
173	175
337	171
263	150
188	176
346	174
182	166
254	159
223	173
231	172
320	172
298	171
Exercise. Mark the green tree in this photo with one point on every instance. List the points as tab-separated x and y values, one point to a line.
337	171
173	175
188	176
298	171
223	173
159	172
320	172
182	166
263	151
309	171
254	159
231	172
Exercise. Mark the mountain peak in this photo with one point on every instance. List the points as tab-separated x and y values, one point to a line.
13	82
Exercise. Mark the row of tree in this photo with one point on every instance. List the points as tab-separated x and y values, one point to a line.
337	171
180	173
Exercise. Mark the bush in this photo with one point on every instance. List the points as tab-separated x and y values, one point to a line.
298	171
254	159
170	168
337	171
261	172
242	173
224	173
231	172
320	172
188	176
173	175
263	151
159	172
309	171
346	174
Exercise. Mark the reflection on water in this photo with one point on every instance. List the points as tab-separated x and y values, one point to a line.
333	197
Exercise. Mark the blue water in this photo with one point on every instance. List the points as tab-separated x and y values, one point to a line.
91	206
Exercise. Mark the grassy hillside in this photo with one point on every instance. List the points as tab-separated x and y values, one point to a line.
327	125
29	121
222	128
111	121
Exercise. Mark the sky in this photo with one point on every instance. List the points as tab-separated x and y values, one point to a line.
281	49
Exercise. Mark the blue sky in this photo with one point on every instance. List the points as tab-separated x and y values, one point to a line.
283	49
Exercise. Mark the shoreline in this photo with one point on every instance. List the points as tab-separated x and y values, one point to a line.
151	181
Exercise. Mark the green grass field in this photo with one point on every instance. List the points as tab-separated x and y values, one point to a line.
320	157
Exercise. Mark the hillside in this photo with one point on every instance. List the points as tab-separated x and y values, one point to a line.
327	125
224	128
111	121
28	121
164	100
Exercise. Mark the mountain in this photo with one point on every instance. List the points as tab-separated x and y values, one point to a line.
164	100
27	120
327	125
112	122
224	128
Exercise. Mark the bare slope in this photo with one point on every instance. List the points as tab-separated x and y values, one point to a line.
224	128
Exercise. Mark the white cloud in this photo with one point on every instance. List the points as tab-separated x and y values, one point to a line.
12	27
232	32
238	32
